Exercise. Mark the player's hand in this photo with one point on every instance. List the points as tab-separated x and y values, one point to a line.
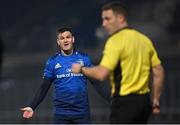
76	68
27	112
155	107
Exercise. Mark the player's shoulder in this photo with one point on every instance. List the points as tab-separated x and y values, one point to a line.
53	57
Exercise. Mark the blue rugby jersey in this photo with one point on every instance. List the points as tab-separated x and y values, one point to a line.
71	95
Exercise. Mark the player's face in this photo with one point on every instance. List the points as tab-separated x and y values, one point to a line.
110	21
65	41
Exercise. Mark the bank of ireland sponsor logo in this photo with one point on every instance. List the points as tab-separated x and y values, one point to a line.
68	70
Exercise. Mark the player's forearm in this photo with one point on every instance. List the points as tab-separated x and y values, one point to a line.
41	93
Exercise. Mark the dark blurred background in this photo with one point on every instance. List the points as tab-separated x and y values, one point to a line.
28	38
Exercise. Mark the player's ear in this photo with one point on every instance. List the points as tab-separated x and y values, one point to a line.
73	39
58	41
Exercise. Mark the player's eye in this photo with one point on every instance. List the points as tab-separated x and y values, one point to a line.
61	38
68	37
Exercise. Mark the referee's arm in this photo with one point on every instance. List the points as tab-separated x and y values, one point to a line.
158	80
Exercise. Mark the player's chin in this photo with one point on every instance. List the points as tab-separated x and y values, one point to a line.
68	48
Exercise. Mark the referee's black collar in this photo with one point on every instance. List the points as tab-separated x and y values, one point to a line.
127	27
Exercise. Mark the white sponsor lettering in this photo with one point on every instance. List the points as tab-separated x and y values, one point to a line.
68	75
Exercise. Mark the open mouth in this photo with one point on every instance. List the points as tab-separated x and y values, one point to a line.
66	44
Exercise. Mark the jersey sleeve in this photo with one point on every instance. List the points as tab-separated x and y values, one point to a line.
154	56
48	70
111	55
41	93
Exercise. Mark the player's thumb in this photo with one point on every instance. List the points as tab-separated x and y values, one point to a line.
26	109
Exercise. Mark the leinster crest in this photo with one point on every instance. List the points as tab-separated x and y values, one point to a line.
80	61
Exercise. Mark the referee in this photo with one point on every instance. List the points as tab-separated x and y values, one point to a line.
128	58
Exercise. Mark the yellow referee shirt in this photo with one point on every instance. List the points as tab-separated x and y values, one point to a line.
135	54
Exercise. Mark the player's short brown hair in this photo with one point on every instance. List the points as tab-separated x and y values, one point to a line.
64	29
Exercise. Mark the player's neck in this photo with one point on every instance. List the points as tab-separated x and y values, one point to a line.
67	53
